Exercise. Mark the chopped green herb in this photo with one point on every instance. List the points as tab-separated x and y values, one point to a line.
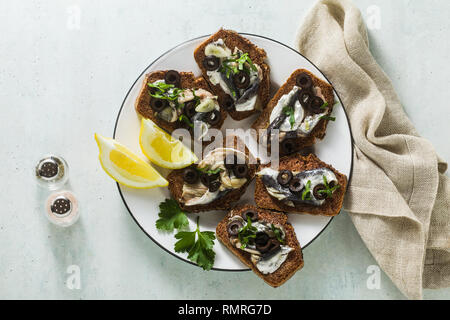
306	194
196	98
170	216
329	191
243	59
186	120
161	86
229	65
290	112
246	233
199	245
324	106
278	233
162	91
328	118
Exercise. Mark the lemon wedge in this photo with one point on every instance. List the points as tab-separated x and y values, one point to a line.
126	167
162	149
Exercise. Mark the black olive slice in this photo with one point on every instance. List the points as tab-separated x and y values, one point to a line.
261	239
227	103
296	185
241	80
214	185
332	184
263	247
287	146
316	104
250	213
305	97
189	109
273	248
240	170
158	105
230	161
190	175
204	178
233	227
214	117
304	81
284	177
172	77
211	63
319	195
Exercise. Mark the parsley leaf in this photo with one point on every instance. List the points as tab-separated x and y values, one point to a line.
186	242
201	250
246	233
289	111
306	194
170	216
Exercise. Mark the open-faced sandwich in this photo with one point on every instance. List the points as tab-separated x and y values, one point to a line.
300	110
264	241
301	185
237	72
215	183
179	100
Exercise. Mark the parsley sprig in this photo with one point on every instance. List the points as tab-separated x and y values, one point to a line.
199	245
306	194
171	216
246	233
329	191
290	112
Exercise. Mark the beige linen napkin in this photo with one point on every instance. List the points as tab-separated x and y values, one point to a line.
398	197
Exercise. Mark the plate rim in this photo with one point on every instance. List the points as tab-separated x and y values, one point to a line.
174	48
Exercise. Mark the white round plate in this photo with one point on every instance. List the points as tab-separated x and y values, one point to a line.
335	149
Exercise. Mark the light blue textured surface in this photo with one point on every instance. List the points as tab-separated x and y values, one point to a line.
60	84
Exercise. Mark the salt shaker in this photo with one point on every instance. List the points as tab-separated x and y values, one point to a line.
52	172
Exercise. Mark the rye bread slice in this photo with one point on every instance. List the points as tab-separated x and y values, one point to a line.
331	206
319	130
176	181
232	39
294	261
188	81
